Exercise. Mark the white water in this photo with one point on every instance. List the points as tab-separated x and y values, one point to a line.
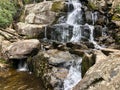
45	33
91	39
74	75
22	66
73	18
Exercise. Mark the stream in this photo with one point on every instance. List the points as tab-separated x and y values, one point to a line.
15	80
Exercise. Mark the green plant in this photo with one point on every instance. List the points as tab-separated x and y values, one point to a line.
7	12
117	9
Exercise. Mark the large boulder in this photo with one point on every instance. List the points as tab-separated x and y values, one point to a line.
44	12
22	49
53	67
103	75
39	13
57	57
30	30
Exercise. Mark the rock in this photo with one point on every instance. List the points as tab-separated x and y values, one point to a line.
97	31
30	30
104	75
77	52
57	32
96	5
57	77
57	58
44	12
59	5
89	45
108	51
85	31
8	34
76	45
99	56
87	61
88	15
117	22
23	49
52	66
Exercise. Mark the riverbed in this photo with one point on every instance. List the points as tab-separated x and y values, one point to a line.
12	79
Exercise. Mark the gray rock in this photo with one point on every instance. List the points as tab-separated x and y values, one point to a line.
23	49
56	57
103	75
30	30
39	13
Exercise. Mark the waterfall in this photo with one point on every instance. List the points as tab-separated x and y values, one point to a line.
45	33
74	75
22	66
72	30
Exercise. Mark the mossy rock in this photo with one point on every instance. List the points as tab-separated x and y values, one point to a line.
92	6
87	62
116	17
58	6
3	61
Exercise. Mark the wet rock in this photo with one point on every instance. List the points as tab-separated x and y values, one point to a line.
77	52
23	49
103	75
52	66
59	29
89	45
101	19
88	15
76	45
85	31
30	30
97	31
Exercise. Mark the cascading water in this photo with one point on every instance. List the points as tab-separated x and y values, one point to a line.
75	20
22	66
74	75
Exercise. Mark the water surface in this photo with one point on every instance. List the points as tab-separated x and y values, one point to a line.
14	80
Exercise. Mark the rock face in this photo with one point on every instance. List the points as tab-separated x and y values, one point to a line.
103	75
23	48
42	13
53	66
30	30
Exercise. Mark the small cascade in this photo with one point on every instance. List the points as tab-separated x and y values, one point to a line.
74	75
73	29
45	33
76	33
94	17
22	66
91	39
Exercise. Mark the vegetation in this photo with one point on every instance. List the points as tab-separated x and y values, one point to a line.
7	12
31	1
117	9
92	6
57	6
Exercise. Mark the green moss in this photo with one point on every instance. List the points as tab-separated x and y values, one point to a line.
92	6
117	8
3	61
57	6
116	18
